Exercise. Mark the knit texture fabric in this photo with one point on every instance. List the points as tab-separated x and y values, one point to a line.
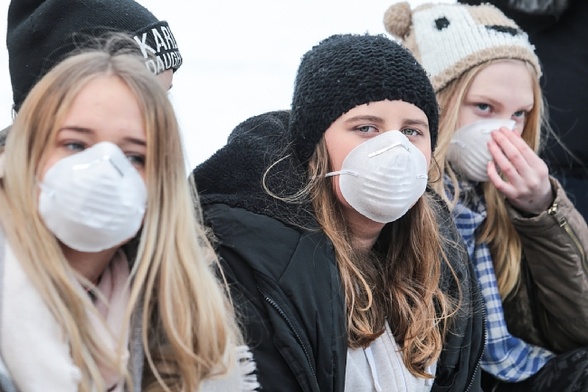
41	33
450	39
345	71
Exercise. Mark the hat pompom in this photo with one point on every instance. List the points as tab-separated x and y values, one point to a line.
398	19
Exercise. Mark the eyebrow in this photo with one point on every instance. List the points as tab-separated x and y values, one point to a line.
88	131
134	140
76	129
529	106
495	102
410	121
379	120
375	119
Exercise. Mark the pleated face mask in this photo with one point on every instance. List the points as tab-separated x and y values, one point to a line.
383	177
468	151
93	200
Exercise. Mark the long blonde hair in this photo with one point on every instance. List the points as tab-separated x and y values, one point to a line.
188	322
497	230
399	283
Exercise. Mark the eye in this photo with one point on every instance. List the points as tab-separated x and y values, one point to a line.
136	159
503	29
366	129
74	146
484	107
411	131
441	23
519	114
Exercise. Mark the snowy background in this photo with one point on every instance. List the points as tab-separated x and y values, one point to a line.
240	57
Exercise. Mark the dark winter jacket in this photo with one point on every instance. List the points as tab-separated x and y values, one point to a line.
284	276
545	309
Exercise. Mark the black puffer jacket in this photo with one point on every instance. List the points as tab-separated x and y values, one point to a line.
284	276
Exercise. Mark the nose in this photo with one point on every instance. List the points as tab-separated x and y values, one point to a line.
518	123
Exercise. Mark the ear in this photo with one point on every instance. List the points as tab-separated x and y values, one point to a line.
398	19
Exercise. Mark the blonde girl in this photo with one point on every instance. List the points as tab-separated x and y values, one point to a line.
525	238
116	293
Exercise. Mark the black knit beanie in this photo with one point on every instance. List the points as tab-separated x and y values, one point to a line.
42	32
344	71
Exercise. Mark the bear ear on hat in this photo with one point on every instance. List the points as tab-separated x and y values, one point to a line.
398	19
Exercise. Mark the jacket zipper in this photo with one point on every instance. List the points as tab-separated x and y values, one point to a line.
563	223
477	368
277	307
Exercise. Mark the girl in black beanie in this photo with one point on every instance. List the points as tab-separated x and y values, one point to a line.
347	272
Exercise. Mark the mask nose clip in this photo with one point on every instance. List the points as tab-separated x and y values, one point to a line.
107	158
118	169
383	150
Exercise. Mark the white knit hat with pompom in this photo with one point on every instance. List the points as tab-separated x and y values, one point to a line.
450	39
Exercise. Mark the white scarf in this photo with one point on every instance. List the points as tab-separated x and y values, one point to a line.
380	368
34	348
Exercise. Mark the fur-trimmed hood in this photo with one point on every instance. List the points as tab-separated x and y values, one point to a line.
238	175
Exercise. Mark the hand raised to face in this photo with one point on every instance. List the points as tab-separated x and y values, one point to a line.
525	177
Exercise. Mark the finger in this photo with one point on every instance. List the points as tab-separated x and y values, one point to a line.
528	154
515	152
494	176
530	166
527	185
503	163
506	188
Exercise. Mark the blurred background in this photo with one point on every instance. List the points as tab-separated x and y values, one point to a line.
240	57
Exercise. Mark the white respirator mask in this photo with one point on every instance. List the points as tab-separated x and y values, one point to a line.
93	200
383	177
468	151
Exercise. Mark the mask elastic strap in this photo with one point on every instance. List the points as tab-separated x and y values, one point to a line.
341	172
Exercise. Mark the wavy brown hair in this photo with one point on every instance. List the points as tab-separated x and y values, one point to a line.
398	282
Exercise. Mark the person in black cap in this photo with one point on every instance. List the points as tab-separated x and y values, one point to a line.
41	33
348	274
